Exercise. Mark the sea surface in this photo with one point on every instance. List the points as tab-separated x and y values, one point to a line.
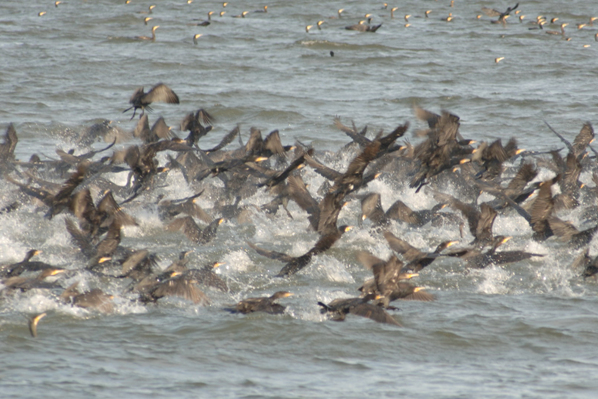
525	330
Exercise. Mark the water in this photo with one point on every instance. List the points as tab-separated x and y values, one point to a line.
525	330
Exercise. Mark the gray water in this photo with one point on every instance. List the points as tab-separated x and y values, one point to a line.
521	330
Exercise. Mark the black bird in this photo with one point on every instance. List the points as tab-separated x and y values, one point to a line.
475	258
385	272
502	16
340	308
295	264
417	259
158	93
207	277
26	265
264	304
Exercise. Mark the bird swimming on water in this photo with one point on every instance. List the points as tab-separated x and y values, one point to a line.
158	93
264	304
150	38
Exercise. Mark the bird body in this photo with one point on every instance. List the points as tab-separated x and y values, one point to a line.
158	93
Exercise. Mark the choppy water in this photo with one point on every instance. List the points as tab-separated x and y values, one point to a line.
522	330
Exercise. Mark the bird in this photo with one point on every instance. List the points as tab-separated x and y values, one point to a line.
475	258
150	38
340	308
33	322
180	285
195	37
502	16
417	259
295	264
158	93
362	27
263	304
207	21
95	299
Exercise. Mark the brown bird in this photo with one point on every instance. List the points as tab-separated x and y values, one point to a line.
180	285
193	231
158	93
340	308
94	299
417	259
265	304
150	38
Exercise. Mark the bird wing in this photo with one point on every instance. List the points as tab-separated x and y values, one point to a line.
160	93
226	140
373	312
368	260
491	12
402	247
271	254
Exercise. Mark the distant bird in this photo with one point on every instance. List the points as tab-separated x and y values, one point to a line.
158	93
363	27
207	21
150	38
339	12
502	16
56	3
195	37
319	24
392	12
308	27
242	15
556	32
498	59
146	20
265	9
41	14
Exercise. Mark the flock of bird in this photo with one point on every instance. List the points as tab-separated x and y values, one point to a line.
366	25
81	185
68	186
